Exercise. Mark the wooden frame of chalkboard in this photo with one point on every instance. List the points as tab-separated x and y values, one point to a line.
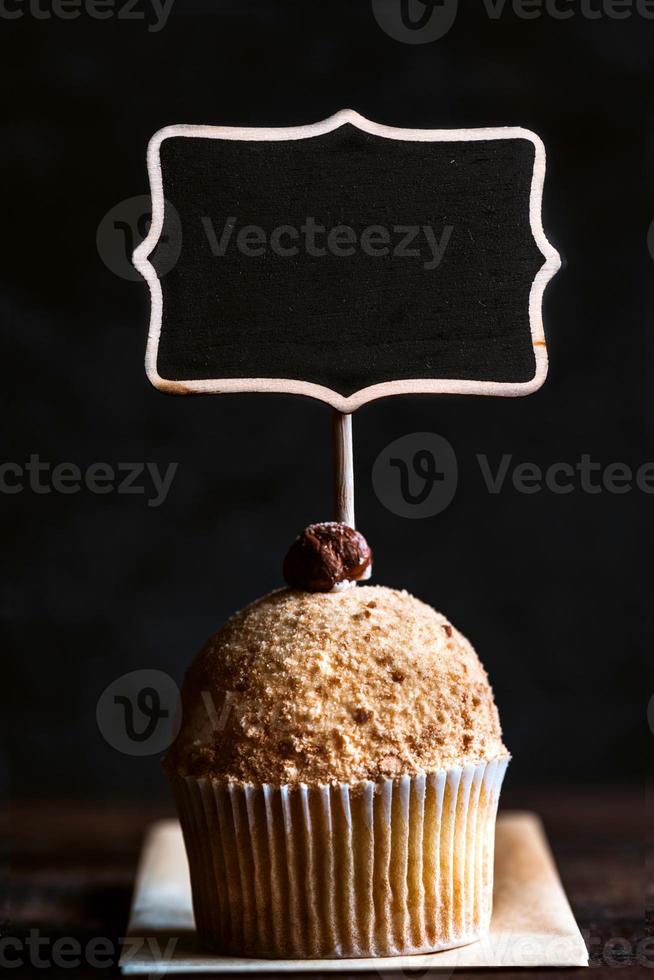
347	403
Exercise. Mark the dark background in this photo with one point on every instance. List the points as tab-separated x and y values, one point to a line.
549	588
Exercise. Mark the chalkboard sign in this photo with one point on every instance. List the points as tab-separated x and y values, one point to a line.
346	260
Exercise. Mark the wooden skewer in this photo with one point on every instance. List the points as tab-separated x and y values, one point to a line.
343	468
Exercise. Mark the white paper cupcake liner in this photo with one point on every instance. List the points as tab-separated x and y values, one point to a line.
373	869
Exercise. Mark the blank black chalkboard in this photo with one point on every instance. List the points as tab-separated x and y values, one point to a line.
346	260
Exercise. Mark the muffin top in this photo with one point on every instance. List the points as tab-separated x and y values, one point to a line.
330	687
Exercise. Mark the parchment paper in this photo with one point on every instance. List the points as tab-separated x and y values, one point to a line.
532	923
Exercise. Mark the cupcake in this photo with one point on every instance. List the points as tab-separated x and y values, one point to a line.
337	773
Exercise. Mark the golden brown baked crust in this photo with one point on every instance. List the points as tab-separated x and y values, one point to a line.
334	687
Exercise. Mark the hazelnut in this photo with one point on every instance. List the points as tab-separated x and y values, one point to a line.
324	555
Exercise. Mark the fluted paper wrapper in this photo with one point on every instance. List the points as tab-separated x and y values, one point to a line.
373	869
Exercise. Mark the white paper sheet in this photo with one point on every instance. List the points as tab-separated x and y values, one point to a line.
532	923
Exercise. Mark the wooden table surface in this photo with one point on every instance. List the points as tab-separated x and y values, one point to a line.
71	870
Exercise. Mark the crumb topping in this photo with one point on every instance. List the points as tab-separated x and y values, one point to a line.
334	687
